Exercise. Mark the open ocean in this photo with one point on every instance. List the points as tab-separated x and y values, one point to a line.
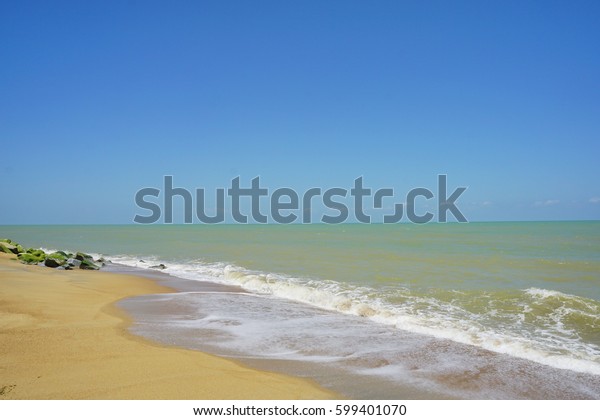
477	310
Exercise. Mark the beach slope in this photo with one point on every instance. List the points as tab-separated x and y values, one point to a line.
62	338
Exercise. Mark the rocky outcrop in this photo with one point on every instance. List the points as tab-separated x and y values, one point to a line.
60	259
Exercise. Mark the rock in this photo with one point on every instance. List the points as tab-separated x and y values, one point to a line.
142	261
159	266
37	252
58	256
64	254
60	259
55	259
53	262
72	262
81	256
88	265
8	248
27	258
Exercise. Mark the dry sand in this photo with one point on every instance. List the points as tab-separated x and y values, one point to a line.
62	338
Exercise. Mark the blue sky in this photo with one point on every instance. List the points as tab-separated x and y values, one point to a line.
100	99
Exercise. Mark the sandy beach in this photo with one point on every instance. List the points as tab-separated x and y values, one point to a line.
61	337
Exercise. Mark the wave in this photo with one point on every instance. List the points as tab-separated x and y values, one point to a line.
544	326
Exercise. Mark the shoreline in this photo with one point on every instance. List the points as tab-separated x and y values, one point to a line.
439	364
63	337
144	309
236	313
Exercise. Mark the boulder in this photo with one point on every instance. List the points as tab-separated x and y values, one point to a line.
159	266
81	256
58	256
27	258
72	262
64	254
53	262
88	265
37	252
8	248
8	241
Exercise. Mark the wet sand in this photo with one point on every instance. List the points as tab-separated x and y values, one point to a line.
62	337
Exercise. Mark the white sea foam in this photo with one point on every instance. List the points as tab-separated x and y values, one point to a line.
546	340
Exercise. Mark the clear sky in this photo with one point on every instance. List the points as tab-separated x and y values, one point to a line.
100	99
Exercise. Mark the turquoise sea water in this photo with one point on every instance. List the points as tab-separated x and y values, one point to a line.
527	290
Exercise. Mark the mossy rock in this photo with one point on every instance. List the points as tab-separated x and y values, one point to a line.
27	258
64	254
8	248
20	249
8	241
82	256
54	262
88	265
58	256
37	252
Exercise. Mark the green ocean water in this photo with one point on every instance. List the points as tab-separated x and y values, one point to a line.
527	289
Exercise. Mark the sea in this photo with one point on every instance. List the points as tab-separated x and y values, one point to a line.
503	310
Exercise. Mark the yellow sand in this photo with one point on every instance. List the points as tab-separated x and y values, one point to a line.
62	338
